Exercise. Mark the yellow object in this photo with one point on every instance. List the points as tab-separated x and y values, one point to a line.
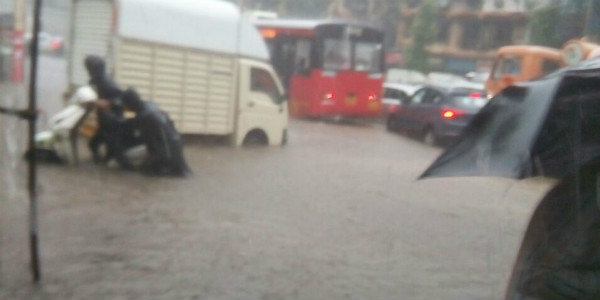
351	101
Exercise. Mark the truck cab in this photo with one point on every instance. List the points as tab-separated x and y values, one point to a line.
521	63
202	62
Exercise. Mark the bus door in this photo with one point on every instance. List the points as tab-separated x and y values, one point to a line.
303	87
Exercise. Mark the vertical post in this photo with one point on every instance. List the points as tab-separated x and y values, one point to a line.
18	54
32	180
592	24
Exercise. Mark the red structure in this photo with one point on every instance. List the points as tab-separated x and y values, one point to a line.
331	68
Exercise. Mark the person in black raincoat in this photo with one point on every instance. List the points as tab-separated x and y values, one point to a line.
158	133
112	130
560	254
547	127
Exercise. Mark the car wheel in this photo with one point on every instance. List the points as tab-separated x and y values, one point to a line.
392	123
430	138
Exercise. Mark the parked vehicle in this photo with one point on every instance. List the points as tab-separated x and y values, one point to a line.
396	94
332	68
201	61
450	80
48	43
59	143
405	76
437	114
521	63
478	76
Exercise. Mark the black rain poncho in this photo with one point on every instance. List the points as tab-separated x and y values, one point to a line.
158	133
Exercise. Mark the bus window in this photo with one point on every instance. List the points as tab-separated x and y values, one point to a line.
285	51
367	57
302	61
262	82
337	55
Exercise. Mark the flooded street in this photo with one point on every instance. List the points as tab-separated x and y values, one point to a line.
336	214
324	200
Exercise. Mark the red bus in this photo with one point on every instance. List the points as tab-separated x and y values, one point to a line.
330	68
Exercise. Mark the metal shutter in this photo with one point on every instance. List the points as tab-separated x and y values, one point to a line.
92	22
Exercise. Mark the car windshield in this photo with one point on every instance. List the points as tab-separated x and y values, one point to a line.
300	149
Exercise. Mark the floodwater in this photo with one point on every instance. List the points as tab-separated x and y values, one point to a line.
336	214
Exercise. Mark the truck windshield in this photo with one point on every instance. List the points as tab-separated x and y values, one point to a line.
510	65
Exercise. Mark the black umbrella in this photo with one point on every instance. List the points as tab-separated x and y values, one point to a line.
30	114
547	127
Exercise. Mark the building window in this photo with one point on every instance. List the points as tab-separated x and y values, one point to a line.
443	31
471	35
503	34
475	4
408	28
413	3
499	4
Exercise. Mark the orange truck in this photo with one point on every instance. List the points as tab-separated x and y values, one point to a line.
521	63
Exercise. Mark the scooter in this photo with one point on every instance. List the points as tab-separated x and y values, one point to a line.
59	143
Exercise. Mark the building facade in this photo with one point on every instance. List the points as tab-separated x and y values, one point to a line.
469	31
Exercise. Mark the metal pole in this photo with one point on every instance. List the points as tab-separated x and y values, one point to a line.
32	181
18	56
592	24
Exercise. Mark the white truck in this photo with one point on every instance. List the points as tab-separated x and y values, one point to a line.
201	61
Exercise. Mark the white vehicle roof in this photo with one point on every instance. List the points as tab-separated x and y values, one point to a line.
409	89
309	23
452	81
405	76
289	23
212	25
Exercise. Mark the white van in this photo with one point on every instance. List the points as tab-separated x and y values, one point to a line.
199	60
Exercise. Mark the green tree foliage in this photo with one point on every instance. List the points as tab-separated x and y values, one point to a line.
592	29
423	32
544	27
382	8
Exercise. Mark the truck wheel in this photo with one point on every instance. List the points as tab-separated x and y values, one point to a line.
284	139
256	138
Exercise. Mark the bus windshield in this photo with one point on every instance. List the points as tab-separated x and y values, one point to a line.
337	55
367	57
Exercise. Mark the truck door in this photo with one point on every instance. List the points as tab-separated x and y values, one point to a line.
262	108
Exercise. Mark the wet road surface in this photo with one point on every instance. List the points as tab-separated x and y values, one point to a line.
336	214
